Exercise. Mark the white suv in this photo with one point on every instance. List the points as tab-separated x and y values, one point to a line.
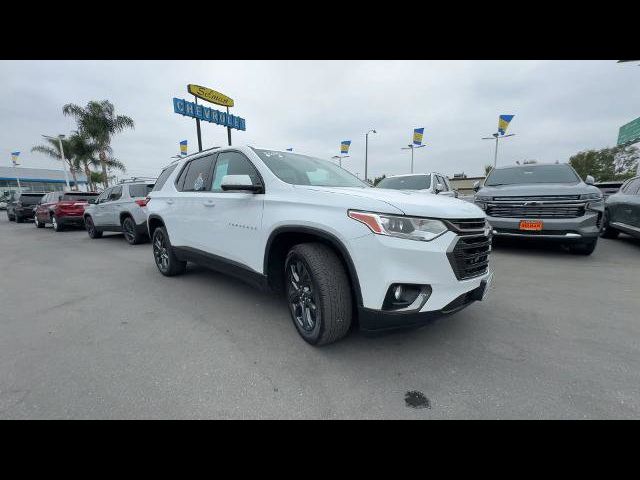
341	251
433	182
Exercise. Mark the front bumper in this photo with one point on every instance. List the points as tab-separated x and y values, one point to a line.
381	261
565	229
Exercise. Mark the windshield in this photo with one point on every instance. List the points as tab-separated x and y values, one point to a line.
531	174
411	182
302	170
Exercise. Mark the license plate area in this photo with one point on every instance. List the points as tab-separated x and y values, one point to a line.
531	225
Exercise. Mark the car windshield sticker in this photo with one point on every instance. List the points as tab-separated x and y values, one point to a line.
199	183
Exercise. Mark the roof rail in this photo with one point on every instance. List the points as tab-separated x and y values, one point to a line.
137	179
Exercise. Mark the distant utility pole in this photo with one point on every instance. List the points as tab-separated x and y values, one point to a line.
497	137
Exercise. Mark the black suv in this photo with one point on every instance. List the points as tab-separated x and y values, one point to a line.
22	206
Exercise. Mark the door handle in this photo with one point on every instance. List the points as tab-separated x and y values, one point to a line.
169	201
209	204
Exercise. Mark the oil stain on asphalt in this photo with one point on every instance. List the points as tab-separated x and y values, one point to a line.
415	399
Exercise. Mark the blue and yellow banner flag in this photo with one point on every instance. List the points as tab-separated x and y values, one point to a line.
183	148
417	136
503	123
14	158
290	149
344	146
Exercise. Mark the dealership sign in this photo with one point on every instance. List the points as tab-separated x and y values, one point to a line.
210	95
206	114
629	133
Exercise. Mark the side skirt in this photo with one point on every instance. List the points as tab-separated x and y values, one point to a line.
223	265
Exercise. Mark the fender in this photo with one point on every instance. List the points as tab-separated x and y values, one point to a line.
328	237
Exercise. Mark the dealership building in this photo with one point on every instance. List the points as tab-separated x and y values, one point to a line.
36	180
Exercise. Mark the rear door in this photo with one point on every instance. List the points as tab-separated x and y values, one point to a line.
100	215
632	206
111	206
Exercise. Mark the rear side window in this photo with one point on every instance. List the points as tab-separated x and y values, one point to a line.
632	187
30	199
140	190
198	177
116	193
163	177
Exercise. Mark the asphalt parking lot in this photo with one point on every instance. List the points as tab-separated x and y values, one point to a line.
90	329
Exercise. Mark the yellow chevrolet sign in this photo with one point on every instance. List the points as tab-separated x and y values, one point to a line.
210	95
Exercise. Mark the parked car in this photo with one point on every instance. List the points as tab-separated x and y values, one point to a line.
20	207
121	208
338	248
545	201
62	209
435	183
608	188
622	211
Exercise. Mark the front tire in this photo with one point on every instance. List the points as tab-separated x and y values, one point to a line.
130	231
318	293
607	230
584	248
163	254
91	228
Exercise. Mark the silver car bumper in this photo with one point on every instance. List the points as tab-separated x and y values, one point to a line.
568	229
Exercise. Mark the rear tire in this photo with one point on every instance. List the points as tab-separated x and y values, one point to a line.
57	226
163	255
318	293
607	230
584	248
91	228
130	231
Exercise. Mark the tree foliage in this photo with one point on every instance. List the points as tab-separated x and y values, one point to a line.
612	163
377	180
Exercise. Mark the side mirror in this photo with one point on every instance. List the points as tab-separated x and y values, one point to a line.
589	180
476	186
92	201
239	182
439	187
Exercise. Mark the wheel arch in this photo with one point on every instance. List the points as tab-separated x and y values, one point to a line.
283	238
154	221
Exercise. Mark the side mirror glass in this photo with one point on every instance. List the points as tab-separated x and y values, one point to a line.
439	187
589	180
239	182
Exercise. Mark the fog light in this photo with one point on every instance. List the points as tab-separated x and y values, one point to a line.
406	297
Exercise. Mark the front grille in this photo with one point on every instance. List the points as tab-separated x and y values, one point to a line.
467	225
541	210
470	256
539	198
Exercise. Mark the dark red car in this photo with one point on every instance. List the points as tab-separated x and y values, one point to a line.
62	209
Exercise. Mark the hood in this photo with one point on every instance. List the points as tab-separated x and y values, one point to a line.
409	202
537	189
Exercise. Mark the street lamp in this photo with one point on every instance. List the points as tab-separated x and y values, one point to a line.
497	136
411	147
340	157
64	162
366	151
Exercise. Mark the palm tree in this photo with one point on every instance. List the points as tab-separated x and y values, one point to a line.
99	121
85	152
53	150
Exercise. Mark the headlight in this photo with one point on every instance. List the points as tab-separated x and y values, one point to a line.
411	228
591	196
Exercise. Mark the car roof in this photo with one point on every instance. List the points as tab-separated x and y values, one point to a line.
528	165
412	175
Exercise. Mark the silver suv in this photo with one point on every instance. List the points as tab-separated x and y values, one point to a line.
121	208
546	201
434	182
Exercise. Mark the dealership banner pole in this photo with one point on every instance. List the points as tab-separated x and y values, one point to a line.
198	129
228	129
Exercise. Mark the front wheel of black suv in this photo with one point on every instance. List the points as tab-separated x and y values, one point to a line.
318	293
584	248
607	230
165	259
130	231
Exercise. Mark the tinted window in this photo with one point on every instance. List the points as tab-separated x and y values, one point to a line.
104	196
116	193
163	176
531	174
409	182
198	176
233	163
78	196
632	187
30	199
140	190
302	170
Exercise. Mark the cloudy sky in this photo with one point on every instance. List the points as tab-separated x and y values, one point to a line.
560	107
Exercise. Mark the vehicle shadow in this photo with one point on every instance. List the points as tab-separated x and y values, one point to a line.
532	246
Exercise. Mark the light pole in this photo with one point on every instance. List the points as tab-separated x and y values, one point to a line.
64	162
411	147
366	151
497	136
